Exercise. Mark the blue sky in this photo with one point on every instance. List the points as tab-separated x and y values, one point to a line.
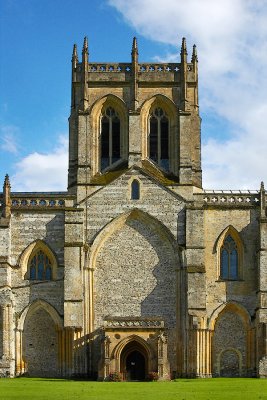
36	39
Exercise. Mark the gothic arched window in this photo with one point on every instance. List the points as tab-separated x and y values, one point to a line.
110	138
159	137
135	190
40	267
229	259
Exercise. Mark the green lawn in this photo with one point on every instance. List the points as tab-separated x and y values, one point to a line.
187	389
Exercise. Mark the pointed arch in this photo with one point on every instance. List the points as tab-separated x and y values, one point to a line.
39	328
132	338
133	346
229	247
230	307
27	255
33	307
230	324
159	100
119	221
110	132
158	120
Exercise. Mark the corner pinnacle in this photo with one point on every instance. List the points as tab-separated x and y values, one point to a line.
183	48
194	54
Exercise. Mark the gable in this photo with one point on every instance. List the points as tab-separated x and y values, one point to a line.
115	199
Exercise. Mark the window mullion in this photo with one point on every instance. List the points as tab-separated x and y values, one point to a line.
169	144
110	141
229	263
159	141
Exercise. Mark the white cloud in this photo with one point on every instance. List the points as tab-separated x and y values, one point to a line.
8	138
43	172
231	37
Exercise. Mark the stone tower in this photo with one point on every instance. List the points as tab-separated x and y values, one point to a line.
168	144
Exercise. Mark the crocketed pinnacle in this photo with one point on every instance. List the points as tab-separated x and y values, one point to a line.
134	47
194	54
183	48
6	181
85	44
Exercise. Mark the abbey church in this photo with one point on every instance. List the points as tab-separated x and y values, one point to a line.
135	269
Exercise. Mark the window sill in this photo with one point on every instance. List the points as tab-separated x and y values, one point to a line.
229	280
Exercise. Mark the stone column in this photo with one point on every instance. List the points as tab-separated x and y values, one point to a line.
263	360
68	351
20	364
6	331
262	289
163	364
88	274
106	348
203	353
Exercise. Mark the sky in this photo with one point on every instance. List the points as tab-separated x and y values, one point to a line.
36	40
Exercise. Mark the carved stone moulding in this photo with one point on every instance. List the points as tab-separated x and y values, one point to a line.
122	323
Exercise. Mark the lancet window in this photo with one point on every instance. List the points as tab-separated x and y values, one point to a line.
40	267
135	190
229	259
159	137
110	138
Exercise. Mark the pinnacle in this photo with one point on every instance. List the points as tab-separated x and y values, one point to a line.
183	48
194	54
6	181
85	44
134	46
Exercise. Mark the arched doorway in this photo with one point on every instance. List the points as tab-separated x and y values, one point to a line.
134	362
40	344
229	342
230	363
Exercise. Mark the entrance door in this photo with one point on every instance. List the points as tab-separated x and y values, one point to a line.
135	366
134	362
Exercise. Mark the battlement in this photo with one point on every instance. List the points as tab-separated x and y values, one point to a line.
230	197
146	71
36	200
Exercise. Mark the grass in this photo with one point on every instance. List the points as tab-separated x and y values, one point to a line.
181	389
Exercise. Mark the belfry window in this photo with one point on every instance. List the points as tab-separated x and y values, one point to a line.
40	267
229	259
110	138
159	137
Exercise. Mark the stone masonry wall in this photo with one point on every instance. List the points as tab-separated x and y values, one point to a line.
26	228
229	346
135	268
242	291
40	345
115	199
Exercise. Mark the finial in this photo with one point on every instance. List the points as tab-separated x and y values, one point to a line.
84	75
134	47
183	48
85	44
74	53
194	54
85	55
134	74
74	56
262	201
6	181
6	211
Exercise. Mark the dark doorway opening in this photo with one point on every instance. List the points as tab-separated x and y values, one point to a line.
135	366
134	362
